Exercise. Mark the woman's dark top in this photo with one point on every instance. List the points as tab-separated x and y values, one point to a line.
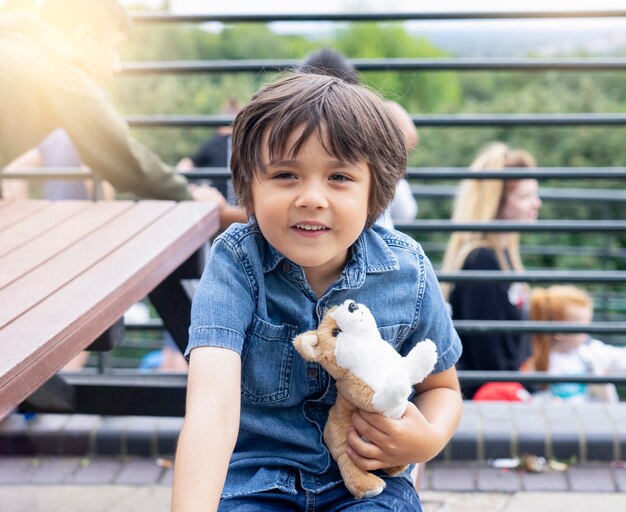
490	301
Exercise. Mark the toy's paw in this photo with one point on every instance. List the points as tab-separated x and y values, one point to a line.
366	486
306	345
374	492
421	360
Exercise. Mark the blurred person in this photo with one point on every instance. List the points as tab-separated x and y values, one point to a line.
215	152
479	200
330	62
571	353
56	150
52	67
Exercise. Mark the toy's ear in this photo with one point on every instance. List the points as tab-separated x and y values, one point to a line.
307	345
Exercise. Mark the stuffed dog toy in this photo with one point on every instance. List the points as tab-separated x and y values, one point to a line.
370	375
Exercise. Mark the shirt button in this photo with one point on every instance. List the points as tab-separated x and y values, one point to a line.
313	372
286	267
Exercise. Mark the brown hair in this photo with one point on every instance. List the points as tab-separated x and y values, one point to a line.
103	15
356	124
551	304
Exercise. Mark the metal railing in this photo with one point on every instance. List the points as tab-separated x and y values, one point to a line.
120	377
610	227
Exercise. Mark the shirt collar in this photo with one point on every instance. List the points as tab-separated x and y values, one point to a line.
370	254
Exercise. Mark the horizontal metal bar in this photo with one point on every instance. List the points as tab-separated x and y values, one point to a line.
209	66
480	326
534	276
459	173
365	65
129	379
575	226
520	120
413	173
456	173
551	250
485	326
156	380
148	17
547	194
448	191
590	195
150	325
121	377
467	377
56	173
435	120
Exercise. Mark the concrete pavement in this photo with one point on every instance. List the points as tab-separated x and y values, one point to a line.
126	498
131	484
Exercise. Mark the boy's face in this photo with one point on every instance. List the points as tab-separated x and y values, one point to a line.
311	207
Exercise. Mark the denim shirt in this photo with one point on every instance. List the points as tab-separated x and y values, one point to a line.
253	300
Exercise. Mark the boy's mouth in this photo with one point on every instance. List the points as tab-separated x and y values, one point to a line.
310	227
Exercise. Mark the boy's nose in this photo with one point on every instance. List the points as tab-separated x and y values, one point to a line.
312	196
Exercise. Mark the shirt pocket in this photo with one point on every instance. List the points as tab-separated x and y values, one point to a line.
394	334
267	361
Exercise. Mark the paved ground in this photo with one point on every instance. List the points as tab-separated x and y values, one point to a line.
114	484
126	498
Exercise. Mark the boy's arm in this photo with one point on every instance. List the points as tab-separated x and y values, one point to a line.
421	433
439	399
210	429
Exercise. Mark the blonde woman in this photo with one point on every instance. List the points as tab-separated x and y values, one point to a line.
480	200
572	353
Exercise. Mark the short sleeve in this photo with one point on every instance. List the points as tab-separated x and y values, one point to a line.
434	321
223	304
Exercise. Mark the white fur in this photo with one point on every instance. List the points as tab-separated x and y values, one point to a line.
307	346
361	350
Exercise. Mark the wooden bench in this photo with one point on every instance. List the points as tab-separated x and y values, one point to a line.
70	269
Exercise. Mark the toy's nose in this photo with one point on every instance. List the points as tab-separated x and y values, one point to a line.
352	307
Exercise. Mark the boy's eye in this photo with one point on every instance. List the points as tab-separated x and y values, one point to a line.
340	177
283	175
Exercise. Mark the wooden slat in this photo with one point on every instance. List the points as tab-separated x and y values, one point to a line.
27	229
33	254
37	344
15	211
65	265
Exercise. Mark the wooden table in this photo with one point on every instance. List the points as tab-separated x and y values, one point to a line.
70	269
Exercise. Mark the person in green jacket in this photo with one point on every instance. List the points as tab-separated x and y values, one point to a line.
52	67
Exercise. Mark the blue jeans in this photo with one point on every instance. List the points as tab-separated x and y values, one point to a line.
398	496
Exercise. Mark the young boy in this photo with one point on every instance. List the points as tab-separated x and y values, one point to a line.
315	161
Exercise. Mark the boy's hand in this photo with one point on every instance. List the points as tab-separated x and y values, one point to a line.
390	442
